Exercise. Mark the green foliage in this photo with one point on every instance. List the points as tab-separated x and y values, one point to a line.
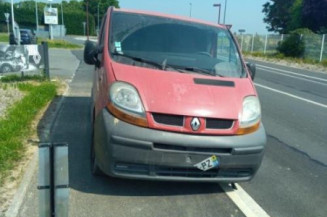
103	7
296	15
15	78
285	16
255	54
72	5
277	15
278	55
74	23
314	15
56	43
4	37
324	63
16	126
303	31
294	45
73	11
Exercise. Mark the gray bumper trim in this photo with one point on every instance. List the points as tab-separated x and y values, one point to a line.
119	142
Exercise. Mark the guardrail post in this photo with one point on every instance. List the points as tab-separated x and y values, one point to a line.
46	59
266	41
53	180
322	47
44	185
252	45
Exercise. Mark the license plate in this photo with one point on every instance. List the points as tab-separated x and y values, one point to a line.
207	164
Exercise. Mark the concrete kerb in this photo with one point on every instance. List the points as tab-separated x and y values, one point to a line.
19	196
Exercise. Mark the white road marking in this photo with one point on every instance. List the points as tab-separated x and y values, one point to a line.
244	201
291	95
294	73
305	79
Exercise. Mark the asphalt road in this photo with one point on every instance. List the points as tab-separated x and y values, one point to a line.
291	181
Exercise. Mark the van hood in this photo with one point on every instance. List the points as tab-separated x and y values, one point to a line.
186	94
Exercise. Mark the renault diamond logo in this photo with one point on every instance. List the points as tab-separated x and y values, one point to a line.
195	124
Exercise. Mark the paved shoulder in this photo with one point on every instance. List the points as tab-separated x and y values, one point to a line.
63	64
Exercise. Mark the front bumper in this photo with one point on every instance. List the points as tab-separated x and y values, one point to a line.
125	150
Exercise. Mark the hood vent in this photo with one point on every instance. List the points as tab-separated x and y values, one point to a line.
214	82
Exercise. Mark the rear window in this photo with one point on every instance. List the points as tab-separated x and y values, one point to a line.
174	42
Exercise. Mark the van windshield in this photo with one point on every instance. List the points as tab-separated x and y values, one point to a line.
172	44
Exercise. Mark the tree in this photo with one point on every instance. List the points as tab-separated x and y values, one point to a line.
314	14
73	5
278	15
285	16
296	16
103	7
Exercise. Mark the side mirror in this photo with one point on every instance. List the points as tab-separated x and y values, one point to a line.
252	69
90	53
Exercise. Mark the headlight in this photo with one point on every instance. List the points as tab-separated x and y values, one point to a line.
125	104
125	96
250	115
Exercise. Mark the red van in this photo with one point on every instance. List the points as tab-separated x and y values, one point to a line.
173	99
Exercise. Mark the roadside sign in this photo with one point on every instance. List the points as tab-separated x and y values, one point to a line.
50	15
7	17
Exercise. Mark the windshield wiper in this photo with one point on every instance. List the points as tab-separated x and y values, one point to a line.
163	66
139	59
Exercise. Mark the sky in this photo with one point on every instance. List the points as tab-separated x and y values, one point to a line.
242	14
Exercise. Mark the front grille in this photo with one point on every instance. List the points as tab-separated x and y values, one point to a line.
174	120
192	149
178	120
213	123
168	171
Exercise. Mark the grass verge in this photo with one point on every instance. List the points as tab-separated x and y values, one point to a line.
4	37
58	43
16	78
16	126
55	43
279	56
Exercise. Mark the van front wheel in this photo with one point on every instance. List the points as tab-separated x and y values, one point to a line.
95	169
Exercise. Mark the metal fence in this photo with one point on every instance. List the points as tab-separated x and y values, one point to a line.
315	45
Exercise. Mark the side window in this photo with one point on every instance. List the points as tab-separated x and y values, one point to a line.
101	36
223	47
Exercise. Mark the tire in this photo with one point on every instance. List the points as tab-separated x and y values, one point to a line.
6	68
95	169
